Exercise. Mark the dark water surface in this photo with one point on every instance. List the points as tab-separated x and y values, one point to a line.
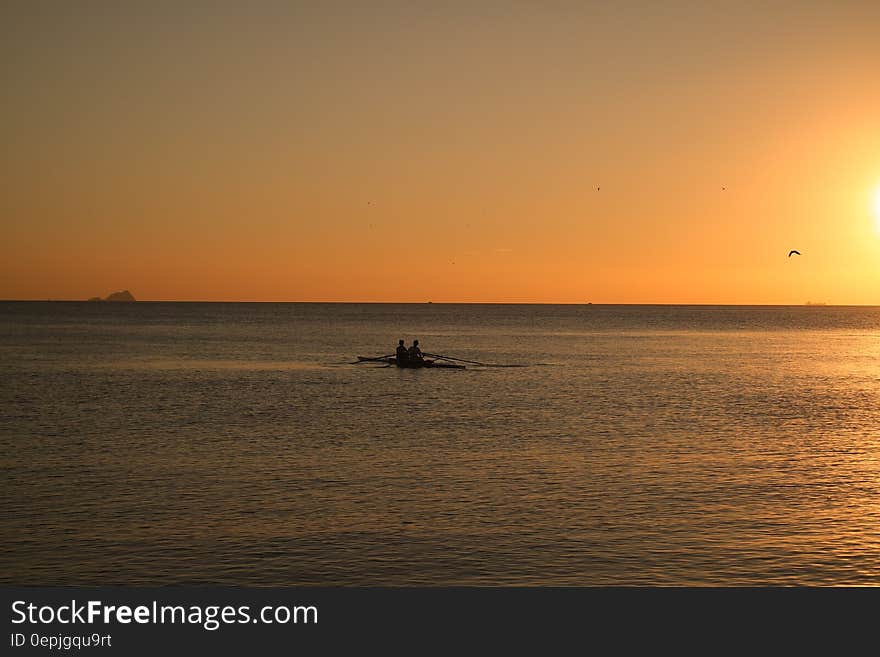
165	443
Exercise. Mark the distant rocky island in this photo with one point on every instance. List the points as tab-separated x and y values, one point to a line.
125	295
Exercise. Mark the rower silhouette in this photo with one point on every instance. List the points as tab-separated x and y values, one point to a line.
402	354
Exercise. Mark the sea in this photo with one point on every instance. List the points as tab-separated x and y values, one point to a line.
242	444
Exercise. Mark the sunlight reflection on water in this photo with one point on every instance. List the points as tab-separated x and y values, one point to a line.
232	444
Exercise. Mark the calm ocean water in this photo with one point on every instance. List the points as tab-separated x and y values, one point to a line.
166	443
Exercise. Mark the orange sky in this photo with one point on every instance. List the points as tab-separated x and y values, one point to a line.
452	153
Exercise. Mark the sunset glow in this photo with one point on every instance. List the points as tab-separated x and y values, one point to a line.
565	296
877	208
520	153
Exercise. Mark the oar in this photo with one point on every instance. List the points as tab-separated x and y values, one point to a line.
461	360
472	362
370	360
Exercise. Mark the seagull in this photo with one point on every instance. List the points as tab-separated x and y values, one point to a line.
793	252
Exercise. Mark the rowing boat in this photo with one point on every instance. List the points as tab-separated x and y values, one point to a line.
391	360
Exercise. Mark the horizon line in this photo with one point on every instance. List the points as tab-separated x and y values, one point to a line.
455	303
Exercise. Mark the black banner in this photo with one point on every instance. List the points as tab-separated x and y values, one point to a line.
150	621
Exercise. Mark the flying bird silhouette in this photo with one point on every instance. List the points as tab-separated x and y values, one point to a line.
793	252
